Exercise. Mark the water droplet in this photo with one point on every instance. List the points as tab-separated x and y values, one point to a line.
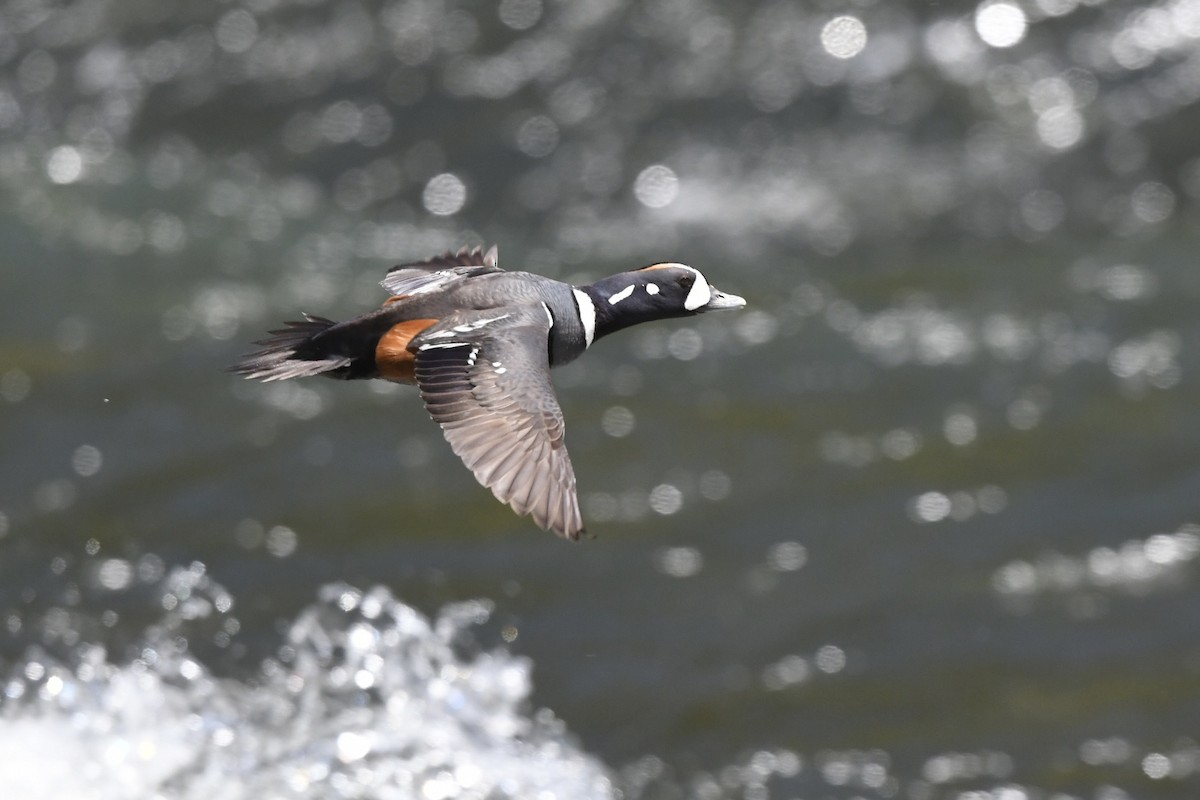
787	556
537	137
86	461
236	31
281	541
679	562
15	385
666	499
115	574
656	186
830	659
930	507
352	746
520	15
617	421
844	37
444	194
64	165
1000	24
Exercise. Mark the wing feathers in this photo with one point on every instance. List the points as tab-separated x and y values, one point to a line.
434	274
506	425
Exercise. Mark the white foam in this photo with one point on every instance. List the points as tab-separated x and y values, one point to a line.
371	700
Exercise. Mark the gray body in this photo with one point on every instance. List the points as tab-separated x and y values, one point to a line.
496	290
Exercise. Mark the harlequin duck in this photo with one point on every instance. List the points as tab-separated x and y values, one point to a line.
479	342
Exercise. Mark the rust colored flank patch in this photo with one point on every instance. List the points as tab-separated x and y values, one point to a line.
392	357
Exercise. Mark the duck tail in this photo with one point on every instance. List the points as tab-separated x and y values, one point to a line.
294	351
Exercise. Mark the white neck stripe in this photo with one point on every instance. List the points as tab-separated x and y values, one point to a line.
587	315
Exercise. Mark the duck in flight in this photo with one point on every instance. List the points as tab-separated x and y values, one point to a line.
479	342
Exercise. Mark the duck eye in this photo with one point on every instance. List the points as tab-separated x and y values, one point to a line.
686	281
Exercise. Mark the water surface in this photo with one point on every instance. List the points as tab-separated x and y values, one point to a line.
920	522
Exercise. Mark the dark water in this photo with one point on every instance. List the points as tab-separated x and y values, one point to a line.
921	522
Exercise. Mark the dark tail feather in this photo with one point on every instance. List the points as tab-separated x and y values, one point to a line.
291	352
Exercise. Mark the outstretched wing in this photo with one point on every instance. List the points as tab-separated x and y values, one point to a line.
485	378
438	272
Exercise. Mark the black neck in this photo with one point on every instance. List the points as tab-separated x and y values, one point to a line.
611	318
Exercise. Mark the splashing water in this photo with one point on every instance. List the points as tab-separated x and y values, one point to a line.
367	698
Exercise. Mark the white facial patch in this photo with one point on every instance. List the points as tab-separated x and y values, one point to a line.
587	316
700	294
621	295
652	288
